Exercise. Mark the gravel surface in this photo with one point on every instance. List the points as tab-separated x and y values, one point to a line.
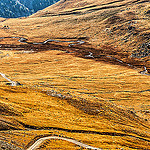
7	146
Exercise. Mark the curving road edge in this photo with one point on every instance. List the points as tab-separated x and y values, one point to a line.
41	140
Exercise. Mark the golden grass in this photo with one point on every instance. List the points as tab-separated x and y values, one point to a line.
101	97
106	142
67	75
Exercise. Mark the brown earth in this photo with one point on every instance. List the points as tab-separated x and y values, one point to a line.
92	92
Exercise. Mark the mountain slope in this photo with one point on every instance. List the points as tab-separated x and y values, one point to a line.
83	68
35	5
22	8
121	25
13	9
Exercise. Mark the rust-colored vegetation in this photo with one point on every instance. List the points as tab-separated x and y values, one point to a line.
96	92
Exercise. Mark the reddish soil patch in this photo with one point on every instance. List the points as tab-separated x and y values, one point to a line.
107	54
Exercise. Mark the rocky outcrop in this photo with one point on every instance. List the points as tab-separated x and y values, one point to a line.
142	51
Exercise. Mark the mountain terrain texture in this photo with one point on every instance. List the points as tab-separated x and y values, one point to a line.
22	8
76	75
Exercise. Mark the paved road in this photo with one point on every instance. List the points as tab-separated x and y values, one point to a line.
41	140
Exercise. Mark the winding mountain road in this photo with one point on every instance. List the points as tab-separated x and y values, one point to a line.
41	140
24	40
76	42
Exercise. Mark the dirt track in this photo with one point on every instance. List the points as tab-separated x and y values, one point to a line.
41	140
